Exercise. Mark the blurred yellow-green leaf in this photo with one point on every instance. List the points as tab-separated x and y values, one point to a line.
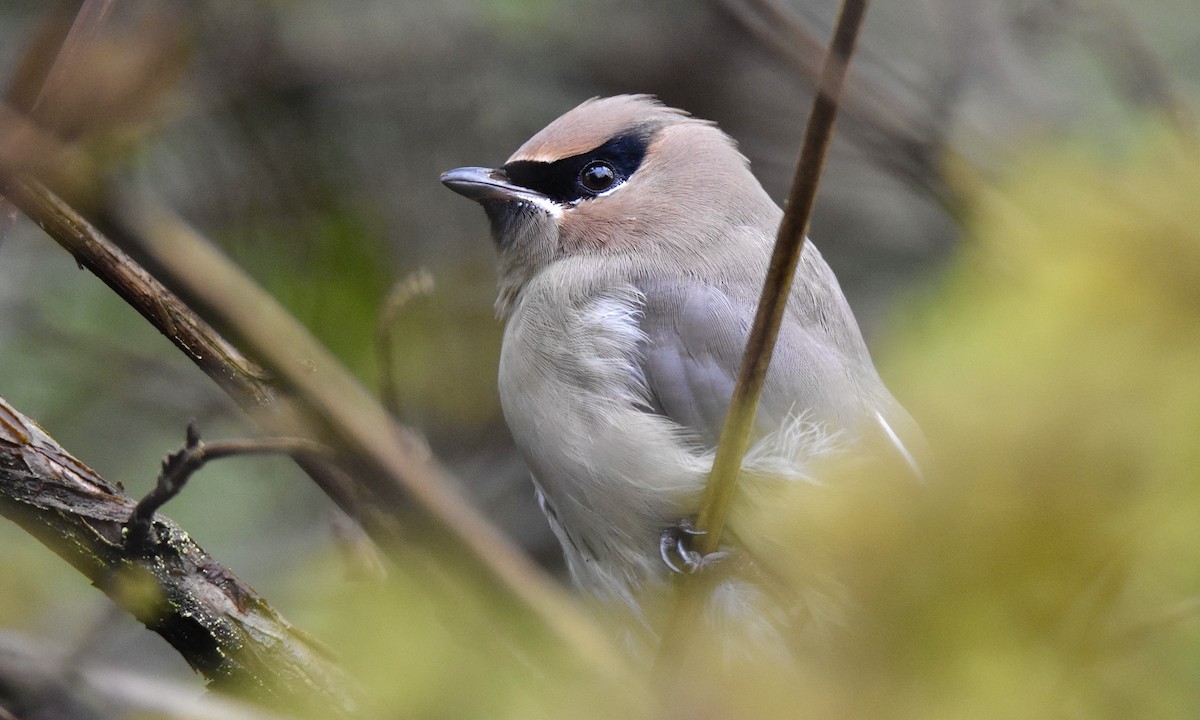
1050	565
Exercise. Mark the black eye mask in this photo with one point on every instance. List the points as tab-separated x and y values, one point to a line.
563	181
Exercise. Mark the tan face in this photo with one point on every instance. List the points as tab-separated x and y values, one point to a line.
569	168
622	175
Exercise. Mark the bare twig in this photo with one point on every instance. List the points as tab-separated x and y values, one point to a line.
402	292
26	148
1135	69
778	30
31	673
873	116
225	630
84	30
178	468
735	434
235	373
789	243
87	23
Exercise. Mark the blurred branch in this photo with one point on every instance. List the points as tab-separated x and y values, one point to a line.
891	135
778	30
84	31
225	630
75	80
92	250
32	674
1134	68
789	244
402	292
27	148
914	144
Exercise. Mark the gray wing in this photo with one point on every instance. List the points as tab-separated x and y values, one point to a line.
695	337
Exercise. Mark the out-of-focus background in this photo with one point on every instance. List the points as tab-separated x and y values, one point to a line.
306	139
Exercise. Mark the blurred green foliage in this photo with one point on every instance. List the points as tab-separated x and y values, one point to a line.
329	268
518	18
430	641
1050	565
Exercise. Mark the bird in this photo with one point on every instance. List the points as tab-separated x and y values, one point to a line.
632	242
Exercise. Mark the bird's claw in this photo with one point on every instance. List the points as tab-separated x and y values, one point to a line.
674	543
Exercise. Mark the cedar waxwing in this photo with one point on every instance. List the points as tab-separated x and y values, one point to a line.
633	242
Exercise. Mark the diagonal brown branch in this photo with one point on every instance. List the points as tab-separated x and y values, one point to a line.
225	630
243	380
87	25
31	672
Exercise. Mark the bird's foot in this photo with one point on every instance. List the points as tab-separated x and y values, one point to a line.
674	547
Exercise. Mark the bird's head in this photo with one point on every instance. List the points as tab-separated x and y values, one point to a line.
625	178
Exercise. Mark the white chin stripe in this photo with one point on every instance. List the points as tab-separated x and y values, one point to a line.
544	204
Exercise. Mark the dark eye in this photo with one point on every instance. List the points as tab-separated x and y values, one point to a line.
597	176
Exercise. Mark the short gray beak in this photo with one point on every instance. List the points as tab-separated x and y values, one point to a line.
481	184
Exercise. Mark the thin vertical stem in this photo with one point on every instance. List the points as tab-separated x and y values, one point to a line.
789	243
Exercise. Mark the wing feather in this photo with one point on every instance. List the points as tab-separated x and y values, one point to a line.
695	335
